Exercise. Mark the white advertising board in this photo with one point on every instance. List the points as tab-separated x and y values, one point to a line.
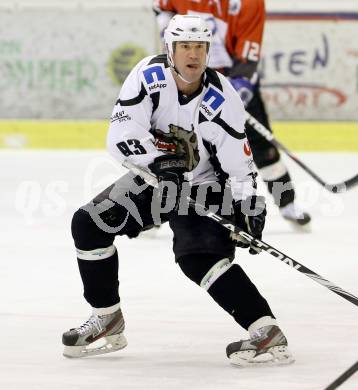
69	62
310	68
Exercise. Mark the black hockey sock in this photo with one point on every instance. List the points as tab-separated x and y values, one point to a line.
282	190
100	281
236	294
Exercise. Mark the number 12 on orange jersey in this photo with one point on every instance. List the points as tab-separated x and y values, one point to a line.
251	51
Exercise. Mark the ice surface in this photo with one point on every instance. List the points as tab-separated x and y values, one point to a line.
176	333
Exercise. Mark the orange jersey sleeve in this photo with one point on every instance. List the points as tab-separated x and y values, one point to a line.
164	5
218	8
245	31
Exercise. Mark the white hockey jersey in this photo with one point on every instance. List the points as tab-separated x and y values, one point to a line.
149	99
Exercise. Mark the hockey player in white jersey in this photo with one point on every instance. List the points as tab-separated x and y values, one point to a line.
178	119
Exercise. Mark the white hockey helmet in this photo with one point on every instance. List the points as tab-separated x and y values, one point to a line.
182	28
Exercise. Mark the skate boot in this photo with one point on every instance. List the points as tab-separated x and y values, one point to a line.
266	347
295	214
98	335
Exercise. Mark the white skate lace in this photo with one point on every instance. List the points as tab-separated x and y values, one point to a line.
93	321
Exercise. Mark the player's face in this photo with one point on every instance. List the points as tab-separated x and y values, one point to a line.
190	59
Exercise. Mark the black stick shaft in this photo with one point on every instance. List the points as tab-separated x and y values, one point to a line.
342	378
152	180
334	188
276	253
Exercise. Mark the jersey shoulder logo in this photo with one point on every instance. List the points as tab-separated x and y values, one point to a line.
234	7
154	77
212	101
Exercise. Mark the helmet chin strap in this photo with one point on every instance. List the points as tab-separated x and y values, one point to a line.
180	76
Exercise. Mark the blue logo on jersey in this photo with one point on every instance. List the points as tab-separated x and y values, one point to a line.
216	97
150	72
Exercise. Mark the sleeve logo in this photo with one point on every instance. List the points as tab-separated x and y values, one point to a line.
150	72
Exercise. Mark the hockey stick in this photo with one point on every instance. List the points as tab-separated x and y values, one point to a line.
342	378
152	180
335	188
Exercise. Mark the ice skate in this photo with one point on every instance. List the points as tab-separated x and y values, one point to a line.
266	347
295	215
98	335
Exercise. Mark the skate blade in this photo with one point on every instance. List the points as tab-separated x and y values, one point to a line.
112	343
275	356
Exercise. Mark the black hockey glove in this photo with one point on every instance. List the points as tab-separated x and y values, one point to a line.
250	216
169	170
